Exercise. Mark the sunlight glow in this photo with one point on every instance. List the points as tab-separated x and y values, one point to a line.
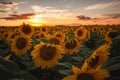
36	20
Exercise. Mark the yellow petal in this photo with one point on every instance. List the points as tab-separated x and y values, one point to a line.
71	77
7	57
76	70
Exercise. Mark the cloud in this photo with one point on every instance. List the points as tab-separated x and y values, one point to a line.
82	17
2	11
102	5
114	16
18	17
40	9
5	10
8	4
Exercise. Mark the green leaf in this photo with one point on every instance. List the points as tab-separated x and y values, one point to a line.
9	65
77	58
111	61
27	76
65	64
65	72
113	67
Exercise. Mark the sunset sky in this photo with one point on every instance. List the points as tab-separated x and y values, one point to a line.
59	12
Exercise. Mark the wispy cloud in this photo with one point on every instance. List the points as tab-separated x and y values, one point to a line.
51	12
114	16
18	17
102	5
40	9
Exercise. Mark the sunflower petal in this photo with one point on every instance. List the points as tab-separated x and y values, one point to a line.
76	70
71	77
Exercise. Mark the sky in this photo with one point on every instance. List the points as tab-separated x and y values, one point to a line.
59	12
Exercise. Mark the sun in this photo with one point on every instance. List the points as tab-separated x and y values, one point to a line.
36	20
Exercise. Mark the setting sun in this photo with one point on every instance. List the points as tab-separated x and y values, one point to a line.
36	20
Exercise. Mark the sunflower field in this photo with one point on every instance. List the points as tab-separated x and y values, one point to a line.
86	52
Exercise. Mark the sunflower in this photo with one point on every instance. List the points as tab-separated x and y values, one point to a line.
94	29
98	57
26	29
71	46
110	35
44	29
46	55
55	40
21	44
10	37
43	35
81	33
59	34
93	74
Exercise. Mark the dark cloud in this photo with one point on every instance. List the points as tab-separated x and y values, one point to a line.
82	17
114	16
18	17
2	11
8	3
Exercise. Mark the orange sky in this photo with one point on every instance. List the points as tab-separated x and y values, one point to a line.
49	12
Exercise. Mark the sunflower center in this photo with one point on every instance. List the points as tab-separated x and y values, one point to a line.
26	29
54	41
6	35
85	76
58	35
95	29
79	32
94	61
21	43
43	29
71	45
47	52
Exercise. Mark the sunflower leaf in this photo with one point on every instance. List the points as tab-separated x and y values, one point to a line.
113	67
65	72
65	64
9	66
111	61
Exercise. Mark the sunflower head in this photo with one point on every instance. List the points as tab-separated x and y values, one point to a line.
99	56
94	61
54	40
26	29
44	29
112	35
93	74
46	55
71	46
59	34
20	45
47	52
85	76
81	33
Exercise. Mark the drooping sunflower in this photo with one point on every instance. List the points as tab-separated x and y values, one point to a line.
26	29
20	45
71	46
98	57
46	55
81	33
93	74
59	34
110	35
55	40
